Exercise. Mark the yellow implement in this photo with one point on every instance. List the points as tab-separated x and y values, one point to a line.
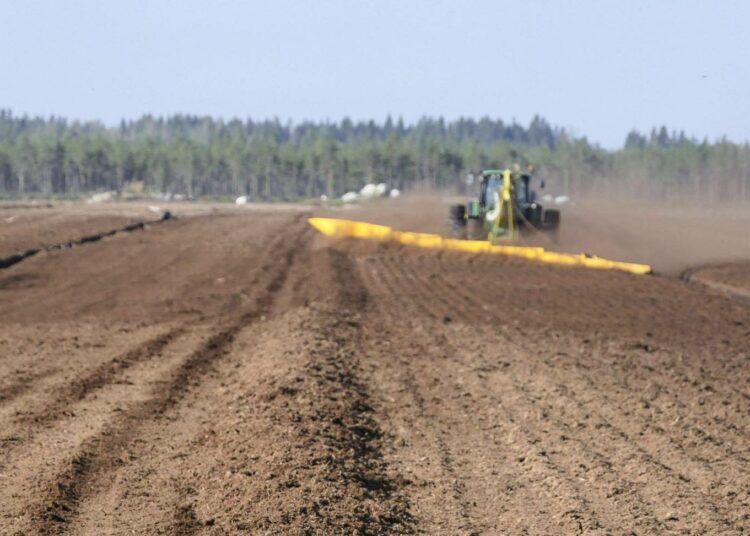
357	229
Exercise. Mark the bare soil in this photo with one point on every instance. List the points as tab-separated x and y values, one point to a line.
732	279
24	226
234	373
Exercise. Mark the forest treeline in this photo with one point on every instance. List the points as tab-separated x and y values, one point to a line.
203	156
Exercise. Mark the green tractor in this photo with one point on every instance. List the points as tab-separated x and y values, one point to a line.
506	205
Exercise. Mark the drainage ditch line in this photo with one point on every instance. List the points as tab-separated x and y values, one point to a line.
14	259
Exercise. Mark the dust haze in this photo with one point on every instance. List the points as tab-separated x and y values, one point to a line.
671	237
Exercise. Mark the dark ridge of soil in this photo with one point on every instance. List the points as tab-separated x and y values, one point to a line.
732	279
11	260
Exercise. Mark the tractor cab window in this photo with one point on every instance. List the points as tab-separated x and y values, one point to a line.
522	187
491	185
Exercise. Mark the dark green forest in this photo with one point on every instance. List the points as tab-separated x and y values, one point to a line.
273	160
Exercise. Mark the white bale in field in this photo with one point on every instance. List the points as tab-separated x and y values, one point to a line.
348	197
323	198
369	190
380	189
395	193
100	197
241	200
562	200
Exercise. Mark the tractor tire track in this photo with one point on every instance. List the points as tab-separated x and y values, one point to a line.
332	392
98	455
317	415
17	388
110	371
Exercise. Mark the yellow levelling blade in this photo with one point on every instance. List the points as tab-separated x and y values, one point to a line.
358	229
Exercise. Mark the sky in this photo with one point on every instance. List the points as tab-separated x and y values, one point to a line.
598	68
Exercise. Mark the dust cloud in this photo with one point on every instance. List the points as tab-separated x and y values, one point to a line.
669	237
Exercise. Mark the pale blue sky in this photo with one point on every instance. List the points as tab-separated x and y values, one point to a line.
599	68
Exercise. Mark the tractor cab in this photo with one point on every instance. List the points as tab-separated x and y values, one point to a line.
492	181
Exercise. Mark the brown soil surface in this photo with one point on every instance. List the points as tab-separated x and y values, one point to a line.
236	373
731	279
24	227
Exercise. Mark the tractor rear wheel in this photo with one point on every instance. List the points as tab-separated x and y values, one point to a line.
551	219
475	229
457	217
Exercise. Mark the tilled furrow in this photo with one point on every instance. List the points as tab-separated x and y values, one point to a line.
621	479
521	381
332	442
28	424
412	302
679	469
477	311
99	455
17	388
558	444
448	293
424	287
